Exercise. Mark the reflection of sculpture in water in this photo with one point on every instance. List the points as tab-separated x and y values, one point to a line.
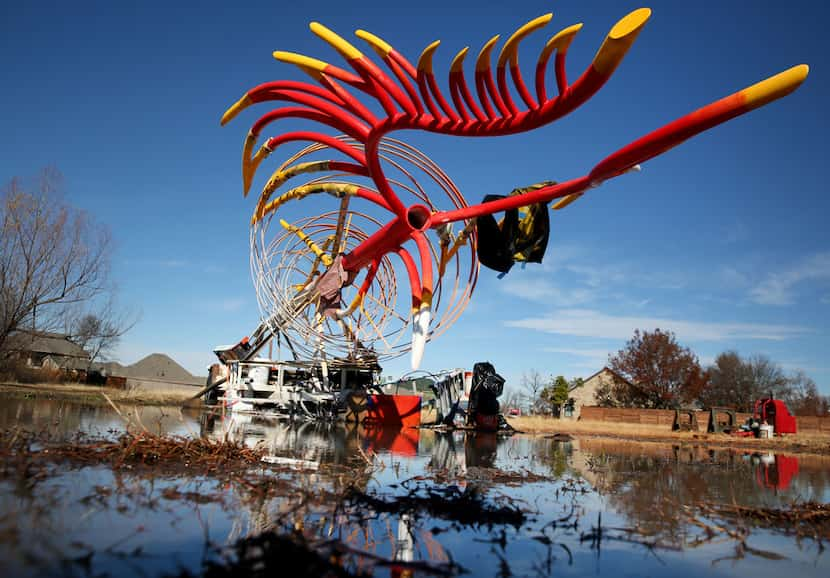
480	450
312	441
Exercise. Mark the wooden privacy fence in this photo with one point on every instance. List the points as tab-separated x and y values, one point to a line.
666	417
813	424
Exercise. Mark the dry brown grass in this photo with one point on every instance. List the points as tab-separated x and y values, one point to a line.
159	395
808	442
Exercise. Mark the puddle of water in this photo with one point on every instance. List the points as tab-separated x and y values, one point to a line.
579	501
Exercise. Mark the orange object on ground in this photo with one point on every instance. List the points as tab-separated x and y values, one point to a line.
402	410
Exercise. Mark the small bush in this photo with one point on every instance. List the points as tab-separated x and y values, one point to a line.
18	371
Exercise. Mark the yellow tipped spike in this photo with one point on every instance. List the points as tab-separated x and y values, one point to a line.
309	65
510	48
235	109
356	302
458	62
565	201
317	260
483	59
327	260
775	87
247	170
619	40
425	60
379	45
337	189
560	41
337	42
281	175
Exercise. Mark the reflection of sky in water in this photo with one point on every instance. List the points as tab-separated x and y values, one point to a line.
625	483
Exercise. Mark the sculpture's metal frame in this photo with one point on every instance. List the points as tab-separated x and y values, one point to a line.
410	98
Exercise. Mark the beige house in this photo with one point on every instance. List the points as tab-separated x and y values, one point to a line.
586	393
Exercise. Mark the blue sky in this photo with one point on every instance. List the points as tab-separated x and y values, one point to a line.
722	240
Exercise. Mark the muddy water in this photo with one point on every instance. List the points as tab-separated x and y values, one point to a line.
587	506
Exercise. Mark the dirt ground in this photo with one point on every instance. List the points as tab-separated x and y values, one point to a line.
806	442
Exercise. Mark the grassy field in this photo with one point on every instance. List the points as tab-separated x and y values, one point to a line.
808	442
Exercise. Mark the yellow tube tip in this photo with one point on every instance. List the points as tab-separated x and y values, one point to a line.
458	62
483	59
630	24
379	45
306	63
247	178
619	40
425	60
342	46
509	50
562	39
776	86
235	109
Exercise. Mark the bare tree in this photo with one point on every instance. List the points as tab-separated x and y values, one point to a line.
98	330
805	398
768	378
511	398
51	256
533	383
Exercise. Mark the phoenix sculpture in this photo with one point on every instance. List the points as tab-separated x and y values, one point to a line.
327	279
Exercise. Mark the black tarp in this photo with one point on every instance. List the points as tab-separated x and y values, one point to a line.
524	239
487	386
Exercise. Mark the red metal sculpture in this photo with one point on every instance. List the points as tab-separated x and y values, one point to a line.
410	98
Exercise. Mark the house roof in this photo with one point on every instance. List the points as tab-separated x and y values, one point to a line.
55	344
609	370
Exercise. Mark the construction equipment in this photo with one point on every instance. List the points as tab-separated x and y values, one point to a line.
316	388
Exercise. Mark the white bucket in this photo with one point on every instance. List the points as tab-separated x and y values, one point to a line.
766	431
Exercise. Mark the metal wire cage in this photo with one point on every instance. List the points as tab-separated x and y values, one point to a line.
286	259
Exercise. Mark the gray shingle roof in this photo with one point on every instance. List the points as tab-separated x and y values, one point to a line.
46	343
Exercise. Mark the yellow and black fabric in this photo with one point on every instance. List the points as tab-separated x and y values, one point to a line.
517	237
